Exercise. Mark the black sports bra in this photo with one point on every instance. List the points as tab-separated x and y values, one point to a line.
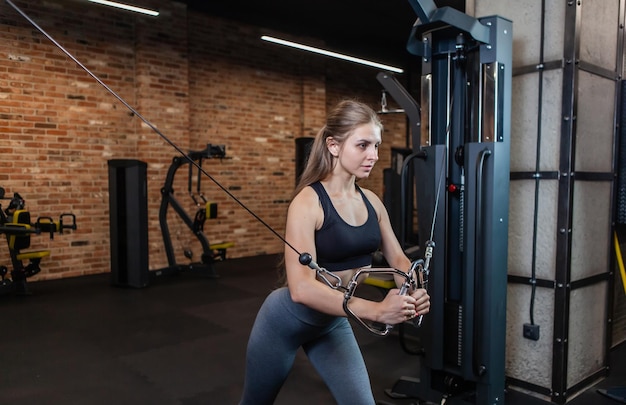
341	246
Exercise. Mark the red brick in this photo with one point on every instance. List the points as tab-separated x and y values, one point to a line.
198	79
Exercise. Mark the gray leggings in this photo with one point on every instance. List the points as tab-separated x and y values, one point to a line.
280	329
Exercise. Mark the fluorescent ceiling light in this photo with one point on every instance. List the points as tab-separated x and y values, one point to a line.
126	7
331	54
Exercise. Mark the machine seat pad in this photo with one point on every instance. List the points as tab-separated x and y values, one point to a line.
385	281
35	254
222	245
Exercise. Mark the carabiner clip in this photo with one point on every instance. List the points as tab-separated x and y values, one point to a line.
409	281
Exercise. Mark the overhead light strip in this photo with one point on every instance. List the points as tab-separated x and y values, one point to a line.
126	7
331	54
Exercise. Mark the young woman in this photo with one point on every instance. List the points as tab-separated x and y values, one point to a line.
340	225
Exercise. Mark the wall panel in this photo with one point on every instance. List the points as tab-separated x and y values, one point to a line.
566	58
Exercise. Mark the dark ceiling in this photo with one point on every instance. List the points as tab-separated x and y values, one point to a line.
370	29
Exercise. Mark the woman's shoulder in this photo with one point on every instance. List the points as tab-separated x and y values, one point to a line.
306	197
371	196
374	200
306	204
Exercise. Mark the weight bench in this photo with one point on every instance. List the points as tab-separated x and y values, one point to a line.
20	240
219	249
19	229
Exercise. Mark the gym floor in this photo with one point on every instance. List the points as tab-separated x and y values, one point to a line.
180	340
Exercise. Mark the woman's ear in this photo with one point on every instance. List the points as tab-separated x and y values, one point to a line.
333	146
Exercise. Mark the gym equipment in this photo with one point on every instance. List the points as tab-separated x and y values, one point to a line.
305	258
189	159
206	209
400	205
15	223
128	223
412	279
398	196
465	125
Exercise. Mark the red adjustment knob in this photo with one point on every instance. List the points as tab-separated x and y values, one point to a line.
452	188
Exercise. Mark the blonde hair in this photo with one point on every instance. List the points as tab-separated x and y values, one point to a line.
342	120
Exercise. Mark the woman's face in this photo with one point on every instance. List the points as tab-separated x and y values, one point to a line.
359	153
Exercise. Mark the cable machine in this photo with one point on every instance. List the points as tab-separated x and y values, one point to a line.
464	122
210	252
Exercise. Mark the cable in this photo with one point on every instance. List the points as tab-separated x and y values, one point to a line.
305	258
533	276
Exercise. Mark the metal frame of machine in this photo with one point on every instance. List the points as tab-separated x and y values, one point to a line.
463	130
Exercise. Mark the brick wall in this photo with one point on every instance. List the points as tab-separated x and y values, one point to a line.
199	80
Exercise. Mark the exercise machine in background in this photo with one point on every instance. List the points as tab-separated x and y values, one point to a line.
15	223
464	139
128	210
206	210
398	179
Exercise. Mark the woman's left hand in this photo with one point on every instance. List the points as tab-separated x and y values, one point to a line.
422	301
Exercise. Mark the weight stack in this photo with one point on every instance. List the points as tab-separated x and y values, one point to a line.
128	221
